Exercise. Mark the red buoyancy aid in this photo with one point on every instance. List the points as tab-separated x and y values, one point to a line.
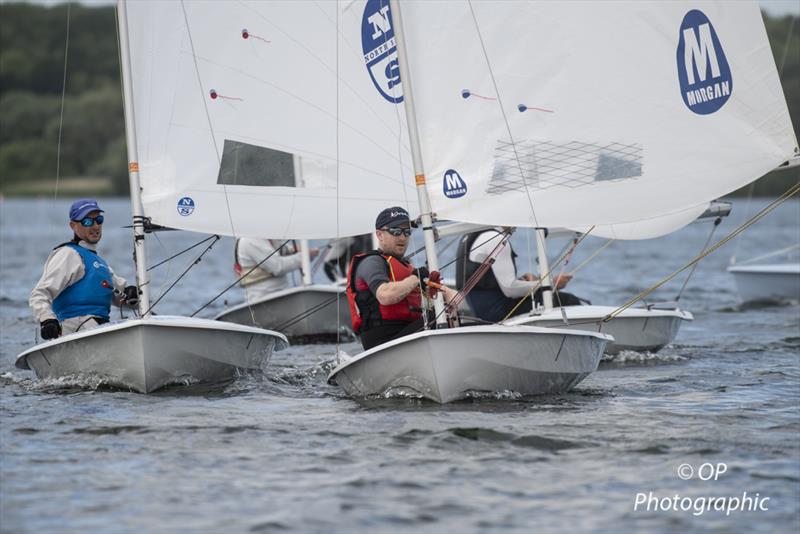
365	310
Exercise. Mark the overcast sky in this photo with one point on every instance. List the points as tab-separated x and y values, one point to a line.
773	7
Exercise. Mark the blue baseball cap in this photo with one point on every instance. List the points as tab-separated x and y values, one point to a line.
81	208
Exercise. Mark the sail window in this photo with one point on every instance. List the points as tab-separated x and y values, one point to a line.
244	164
542	165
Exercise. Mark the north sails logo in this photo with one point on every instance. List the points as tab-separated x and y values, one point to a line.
454	186
380	50
185	206
703	71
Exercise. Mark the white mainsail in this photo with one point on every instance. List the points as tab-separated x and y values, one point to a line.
588	113
634	115
220	80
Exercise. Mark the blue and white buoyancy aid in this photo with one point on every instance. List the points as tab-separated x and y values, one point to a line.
92	294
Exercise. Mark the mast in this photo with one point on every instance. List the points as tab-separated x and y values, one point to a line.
305	256
137	211
416	154
544	269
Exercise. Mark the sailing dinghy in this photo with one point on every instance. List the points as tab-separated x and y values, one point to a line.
151	352
622	140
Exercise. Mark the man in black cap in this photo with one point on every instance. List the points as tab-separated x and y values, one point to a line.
77	286
383	288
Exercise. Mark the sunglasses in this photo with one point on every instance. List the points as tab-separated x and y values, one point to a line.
397	232
89	221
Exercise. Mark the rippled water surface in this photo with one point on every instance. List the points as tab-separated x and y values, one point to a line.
283	450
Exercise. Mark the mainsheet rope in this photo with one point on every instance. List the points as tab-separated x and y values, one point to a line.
744	226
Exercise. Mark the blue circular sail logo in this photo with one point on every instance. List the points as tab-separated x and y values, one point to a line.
185	206
454	186
703	71
380	50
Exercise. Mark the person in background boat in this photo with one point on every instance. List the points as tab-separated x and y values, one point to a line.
339	254
383	288
77	287
500	289
270	275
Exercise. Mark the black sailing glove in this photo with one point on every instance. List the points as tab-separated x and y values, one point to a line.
51	329
131	295
423	274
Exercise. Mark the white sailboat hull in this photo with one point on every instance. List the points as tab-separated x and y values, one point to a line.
635	329
144	355
447	365
767	282
277	309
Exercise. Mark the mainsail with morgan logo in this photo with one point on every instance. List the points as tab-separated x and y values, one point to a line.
380	50
703	70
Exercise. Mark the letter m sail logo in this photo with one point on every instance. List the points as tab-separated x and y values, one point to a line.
453	184
703	71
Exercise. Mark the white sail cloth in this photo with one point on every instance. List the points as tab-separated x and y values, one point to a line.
621	138
635	115
211	77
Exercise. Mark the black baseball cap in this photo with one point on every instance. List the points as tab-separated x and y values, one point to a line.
391	217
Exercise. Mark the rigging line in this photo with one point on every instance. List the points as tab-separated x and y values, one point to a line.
241	278
539	282
595	253
309	312
338	304
484	267
747	224
195	262
159	264
208	115
63	99
502	111
771	254
694	267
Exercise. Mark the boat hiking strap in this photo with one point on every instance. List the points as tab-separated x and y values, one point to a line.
694	267
159	264
744	226
538	285
253	268
195	262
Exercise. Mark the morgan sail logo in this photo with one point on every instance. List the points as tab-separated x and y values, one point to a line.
703	71
380	50
454	186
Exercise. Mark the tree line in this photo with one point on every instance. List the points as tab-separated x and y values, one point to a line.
33	54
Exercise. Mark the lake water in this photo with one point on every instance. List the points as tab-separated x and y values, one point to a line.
285	451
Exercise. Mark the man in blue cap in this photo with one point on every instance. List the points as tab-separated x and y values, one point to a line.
78	287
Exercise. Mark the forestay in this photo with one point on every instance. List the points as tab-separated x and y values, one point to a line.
228	92
628	116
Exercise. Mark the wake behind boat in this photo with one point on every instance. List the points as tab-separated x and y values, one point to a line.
451	364
304	314
145	355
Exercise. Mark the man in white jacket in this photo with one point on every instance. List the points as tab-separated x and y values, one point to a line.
77	287
270	275
500	289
